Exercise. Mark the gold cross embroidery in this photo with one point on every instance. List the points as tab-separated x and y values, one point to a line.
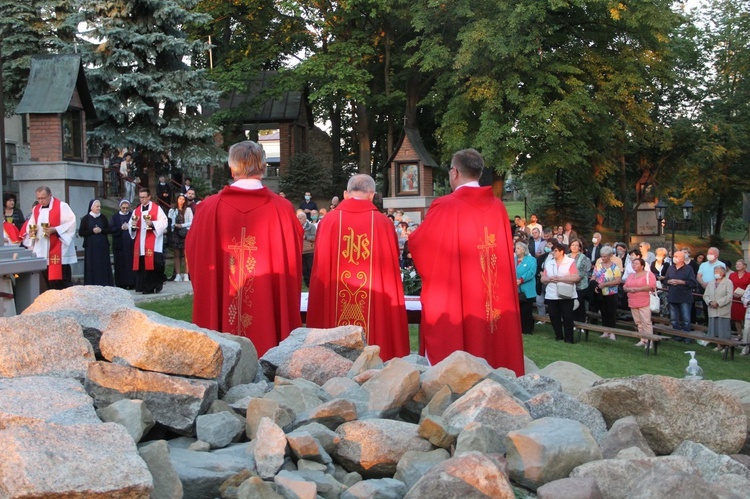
54	260
488	264
241	277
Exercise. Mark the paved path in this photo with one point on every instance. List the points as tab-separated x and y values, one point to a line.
171	290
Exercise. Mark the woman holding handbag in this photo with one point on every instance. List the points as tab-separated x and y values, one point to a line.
526	281
560	275
639	286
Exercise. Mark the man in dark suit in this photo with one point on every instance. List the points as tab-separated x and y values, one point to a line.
594	252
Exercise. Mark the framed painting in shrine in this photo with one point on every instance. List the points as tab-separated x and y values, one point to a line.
408	176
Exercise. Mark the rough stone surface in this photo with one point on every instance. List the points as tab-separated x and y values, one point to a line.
681	485
200	446
374	447
624	434
741	390
459	371
331	414
218	406
32	346
434	430
132	414
391	387
297	397
572	377
561	405
327	486
347	341
570	488
257	409
712	466
548	449
134	340
414	464
255	488
37	399
530	366
382	488
477	437
89	460
632	453
202	473
317	364
468	476
326	437
269	451
167	484
368	359
536	384
617	477
338	386
439	402
304	446
174	402
247	365
490	404
219	430
670	410
251	390
295	487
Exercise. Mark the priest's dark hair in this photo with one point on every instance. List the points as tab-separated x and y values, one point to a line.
247	159
469	162
361	183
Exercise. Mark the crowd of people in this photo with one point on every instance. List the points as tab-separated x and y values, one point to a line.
578	282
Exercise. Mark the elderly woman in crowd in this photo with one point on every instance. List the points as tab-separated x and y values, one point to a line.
659	269
11	212
638	286
606	278
560	274
718	299
583	264
94	228
740	280
525	279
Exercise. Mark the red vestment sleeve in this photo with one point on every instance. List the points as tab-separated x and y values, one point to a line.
245	254
356	277
463	252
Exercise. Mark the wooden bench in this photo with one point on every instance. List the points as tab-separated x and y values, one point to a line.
667	322
731	343
652	339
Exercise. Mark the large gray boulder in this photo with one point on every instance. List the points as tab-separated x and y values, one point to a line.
317	364
374	447
167	484
202	473
368	359
548	449
682	485
712	466
670	410
132	339
40	345
132	414
414	464
617	477
218	430
76	461
572	377
269	449
478	437
469	476
347	341
330	414
624	434
557	404
536	384
570	488
381	488
391	387
174	402
741	390
90	306
247	365
488	403
459	371
43	399
259	408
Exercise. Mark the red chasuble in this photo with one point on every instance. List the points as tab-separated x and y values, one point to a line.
464	253
356	277
245	254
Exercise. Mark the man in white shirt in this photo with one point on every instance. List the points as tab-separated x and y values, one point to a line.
147	227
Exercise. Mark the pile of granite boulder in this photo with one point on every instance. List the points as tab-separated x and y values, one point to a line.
101	399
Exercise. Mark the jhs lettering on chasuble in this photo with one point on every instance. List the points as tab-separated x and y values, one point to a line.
355	267
241	278
488	265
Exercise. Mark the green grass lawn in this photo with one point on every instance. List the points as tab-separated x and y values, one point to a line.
607	358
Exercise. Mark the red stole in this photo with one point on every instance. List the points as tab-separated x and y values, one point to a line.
54	256
150	238
12	232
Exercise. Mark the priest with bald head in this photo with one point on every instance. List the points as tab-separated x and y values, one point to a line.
356	278
464	253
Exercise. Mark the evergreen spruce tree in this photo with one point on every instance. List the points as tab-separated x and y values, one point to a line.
21	37
145	91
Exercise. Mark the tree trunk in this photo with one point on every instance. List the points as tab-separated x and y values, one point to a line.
721	216
363	138
334	113
624	198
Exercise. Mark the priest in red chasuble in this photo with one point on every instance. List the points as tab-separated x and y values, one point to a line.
245	252
464	253
148	224
356	278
